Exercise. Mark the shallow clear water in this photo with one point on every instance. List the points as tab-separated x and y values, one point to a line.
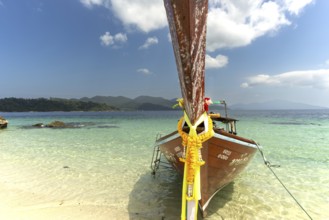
102	166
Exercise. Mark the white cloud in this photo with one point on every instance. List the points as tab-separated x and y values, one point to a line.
216	62
145	15
144	71
238	23
1	3
107	39
308	78
149	42
327	62
169	37
91	3
231	23
295	6
120	37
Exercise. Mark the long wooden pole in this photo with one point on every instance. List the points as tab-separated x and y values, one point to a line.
187	23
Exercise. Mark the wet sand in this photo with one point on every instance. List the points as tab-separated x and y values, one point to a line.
18	204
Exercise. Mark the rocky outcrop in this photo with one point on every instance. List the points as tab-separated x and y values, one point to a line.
39	125
3	122
56	124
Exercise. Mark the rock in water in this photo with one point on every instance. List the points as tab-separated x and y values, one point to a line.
56	124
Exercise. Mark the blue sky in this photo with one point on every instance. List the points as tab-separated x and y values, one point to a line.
256	50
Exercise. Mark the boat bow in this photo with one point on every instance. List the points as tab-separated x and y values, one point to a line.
187	23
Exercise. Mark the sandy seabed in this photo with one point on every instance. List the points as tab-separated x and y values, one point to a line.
20	205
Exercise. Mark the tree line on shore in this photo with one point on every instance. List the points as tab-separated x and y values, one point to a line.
52	104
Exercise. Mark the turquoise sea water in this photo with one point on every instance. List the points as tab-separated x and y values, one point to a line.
101	168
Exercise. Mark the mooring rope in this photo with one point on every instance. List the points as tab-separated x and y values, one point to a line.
269	165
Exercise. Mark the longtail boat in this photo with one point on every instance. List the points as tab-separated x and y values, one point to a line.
3	122
209	157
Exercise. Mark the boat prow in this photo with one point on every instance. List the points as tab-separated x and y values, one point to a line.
225	156
208	157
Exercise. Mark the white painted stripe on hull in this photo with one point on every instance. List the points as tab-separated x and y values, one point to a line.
219	136
170	138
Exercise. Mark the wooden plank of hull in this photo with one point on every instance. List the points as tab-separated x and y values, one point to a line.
225	155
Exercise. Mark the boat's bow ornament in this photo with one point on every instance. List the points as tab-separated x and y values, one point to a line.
187	23
192	159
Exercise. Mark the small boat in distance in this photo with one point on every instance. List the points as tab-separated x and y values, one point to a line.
208	156
3	122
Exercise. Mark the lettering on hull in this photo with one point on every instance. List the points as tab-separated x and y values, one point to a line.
244	158
224	155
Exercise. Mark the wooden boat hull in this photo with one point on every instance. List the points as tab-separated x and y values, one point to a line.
225	155
3	123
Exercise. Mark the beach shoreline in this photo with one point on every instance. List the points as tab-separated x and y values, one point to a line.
21	204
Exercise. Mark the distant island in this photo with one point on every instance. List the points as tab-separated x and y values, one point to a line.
52	104
121	103
141	103
97	103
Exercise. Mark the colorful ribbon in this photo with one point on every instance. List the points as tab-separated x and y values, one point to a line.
192	158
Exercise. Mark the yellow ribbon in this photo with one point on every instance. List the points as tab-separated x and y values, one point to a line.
180	103
192	144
